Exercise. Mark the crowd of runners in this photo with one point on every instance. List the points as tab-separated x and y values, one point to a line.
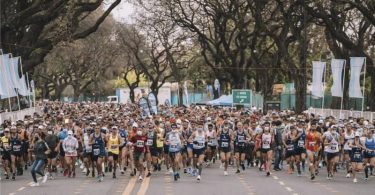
110	139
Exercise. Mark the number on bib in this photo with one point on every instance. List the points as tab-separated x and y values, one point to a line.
17	148
224	144
96	151
301	143
140	143
150	142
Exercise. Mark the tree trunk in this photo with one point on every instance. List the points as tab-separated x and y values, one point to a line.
300	94
180	94
132	94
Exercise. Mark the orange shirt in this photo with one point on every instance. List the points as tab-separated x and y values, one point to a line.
312	141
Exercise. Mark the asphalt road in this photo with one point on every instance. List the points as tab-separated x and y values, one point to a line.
249	182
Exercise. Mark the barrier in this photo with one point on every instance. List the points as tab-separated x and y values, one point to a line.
342	114
19	115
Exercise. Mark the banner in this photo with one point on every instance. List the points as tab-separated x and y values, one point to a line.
144	105
186	93
337	66
13	69
217	87
356	64
317	83
152	103
210	92
5	75
23	90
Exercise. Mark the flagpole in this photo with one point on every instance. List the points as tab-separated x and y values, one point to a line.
343	87
6	80
363	88
28	91
324	80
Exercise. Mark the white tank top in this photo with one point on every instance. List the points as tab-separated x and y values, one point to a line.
333	146
266	141
347	139
200	139
86	140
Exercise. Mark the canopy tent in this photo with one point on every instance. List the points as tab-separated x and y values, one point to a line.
224	100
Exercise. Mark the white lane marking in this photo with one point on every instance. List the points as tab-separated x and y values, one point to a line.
275	177
20	189
295	194
12	194
289	189
281	183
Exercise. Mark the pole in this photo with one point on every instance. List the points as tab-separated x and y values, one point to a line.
363	88
6	80
324	80
28	91
343	87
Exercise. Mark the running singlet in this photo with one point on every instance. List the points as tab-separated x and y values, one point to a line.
300	144
370	144
224	139
356	154
289	144
98	146
151	139
140	145
114	145
312	141
5	142
266	141
174	142
211	139
347	138
123	137
86	140
199	141
333	146
15	144
240	139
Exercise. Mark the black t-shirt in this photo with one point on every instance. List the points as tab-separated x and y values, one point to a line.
52	141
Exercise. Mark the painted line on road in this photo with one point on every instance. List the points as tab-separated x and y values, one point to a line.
289	189
130	186
22	188
144	186
294	194
12	194
281	183
275	177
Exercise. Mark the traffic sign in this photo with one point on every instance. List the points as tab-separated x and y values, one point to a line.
241	96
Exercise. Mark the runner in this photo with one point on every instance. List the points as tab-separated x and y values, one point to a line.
300	148
87	151
113	146
139	142
70	146
331	148
313	146
41	150
123	147
211	144
198	138
289	146
348	137
174	141
97	141
356	156
52	141
369	153
241	138
226	138
5	155
267	138
16	150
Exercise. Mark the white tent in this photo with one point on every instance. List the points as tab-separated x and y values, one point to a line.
224	100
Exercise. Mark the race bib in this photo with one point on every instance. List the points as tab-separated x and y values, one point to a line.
290	147
173	146
114	147
357	156
96	152
16	148
210	142
241	139
140	143
334	146
224	144
88	150
312	144
266	144
150	142
301	143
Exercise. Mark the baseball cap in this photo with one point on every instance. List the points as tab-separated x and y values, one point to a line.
70	132
357	134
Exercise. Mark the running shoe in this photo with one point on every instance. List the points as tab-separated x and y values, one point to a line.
225	173
238	171
199	178
140	178
268	174
45	177
34	184
148	174
355	180
243	166
348	175
312	177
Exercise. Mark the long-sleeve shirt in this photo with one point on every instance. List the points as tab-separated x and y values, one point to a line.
70	146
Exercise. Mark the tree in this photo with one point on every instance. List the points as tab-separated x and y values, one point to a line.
32	29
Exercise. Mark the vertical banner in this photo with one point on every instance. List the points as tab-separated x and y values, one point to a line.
217	87
317	79
186	93
356	64
5	74
13	70
143	104
337	70
152	103
210	92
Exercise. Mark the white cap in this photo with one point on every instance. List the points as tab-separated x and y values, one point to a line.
40	127
208	119
357	134
70	132
13	127
135	125
321	121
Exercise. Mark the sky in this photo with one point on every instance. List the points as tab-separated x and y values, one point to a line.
123	12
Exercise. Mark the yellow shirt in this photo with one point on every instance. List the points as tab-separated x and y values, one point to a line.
159	141
5	142
114	145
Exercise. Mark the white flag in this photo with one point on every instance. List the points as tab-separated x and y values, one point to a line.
13	69
356	64
23	87
317	83
5	75
337	69
186	93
